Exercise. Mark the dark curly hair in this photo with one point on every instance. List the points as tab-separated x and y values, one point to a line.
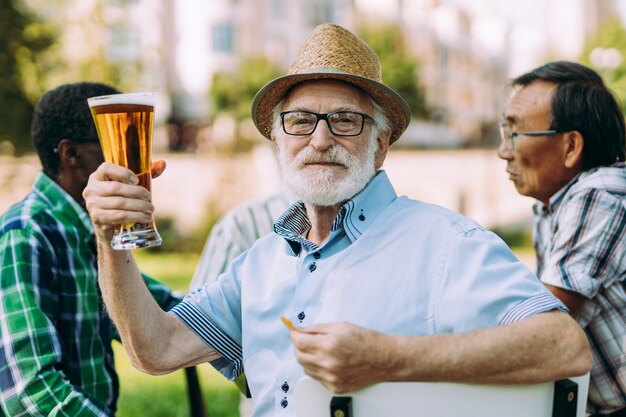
583	102
63	113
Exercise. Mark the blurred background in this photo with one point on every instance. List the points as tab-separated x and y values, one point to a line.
450	59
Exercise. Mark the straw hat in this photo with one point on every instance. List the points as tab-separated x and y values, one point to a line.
332	52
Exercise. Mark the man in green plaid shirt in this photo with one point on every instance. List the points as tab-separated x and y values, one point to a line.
56	356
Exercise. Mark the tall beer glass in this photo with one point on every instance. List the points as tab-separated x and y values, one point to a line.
125	123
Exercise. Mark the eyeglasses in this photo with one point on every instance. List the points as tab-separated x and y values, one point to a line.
508	137
341	123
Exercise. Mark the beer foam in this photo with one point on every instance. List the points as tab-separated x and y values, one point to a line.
145	99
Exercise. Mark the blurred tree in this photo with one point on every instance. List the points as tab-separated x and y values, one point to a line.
605	51
233	92
24	39
40	52
88	44
232	95
400	71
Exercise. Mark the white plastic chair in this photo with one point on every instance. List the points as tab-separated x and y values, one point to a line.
422	399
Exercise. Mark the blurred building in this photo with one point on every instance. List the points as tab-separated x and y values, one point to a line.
205	38
463	86
467	49
463	81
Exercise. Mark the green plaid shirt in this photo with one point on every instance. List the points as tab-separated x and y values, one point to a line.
55	356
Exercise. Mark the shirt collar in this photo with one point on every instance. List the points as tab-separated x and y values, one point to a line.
61	202
354	216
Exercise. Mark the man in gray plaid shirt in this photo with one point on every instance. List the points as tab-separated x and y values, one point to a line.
563	140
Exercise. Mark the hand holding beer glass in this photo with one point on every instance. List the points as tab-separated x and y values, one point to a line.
124	123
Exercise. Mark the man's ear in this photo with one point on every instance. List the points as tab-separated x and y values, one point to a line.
67	151
383	146
573	145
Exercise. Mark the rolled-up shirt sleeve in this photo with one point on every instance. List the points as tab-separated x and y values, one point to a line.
213	312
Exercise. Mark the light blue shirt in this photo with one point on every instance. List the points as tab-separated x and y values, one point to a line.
391	264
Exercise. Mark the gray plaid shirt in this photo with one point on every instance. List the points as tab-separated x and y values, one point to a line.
580	240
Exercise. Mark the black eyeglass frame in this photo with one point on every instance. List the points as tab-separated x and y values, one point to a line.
506	135
325	116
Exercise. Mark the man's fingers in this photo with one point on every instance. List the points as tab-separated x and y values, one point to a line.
125	204
116	203
113	196
115	188
304	341
112	172
307	359
111	218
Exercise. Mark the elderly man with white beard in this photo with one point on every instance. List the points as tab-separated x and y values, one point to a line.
381	287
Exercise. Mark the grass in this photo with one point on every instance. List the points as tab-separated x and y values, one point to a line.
166	395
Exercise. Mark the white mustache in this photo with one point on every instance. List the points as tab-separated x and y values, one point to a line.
334	155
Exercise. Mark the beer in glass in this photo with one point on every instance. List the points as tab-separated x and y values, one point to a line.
124	123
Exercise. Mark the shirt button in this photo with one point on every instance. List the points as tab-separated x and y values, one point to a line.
284	403
301	316
285	386
317	255
312	267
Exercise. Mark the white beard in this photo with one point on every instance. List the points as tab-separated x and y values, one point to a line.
320	186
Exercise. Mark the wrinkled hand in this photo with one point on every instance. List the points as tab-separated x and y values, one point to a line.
342	356
113	196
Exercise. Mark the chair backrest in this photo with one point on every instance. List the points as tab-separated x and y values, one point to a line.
445	399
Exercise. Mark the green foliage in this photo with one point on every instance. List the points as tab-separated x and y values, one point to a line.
222	92
400	71
24	39
175	241
610	34
515	236
34	58
174	269
233	92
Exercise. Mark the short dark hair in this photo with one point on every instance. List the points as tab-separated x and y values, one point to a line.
63	113
582	102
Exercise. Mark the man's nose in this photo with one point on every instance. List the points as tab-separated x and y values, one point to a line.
504	151
322	138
